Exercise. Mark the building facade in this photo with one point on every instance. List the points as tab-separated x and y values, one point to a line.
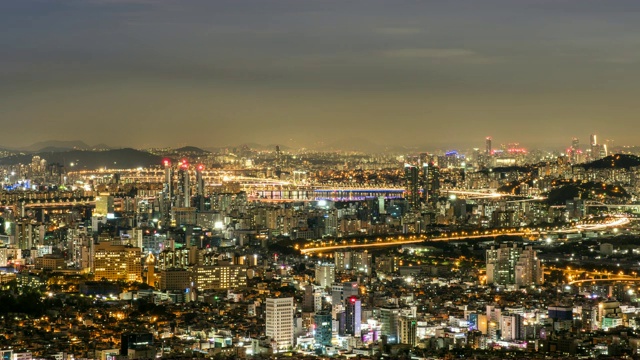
279	323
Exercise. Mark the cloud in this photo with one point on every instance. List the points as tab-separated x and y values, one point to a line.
429	53
620	60
441	54
398	30
122	2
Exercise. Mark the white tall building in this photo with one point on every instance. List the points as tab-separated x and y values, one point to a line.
325	274
510	327
279	322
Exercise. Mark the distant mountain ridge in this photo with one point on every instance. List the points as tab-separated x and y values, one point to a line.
56	145
50	149
126	158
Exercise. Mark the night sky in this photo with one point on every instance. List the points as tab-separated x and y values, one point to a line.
310	72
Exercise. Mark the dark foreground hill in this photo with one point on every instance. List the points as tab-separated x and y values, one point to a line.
616	161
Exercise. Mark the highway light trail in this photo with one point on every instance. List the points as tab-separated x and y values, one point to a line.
578	228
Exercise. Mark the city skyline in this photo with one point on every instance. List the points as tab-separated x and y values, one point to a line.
273	254
302	73
319	179
357	145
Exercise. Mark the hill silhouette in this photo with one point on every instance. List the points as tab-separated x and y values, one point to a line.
111	159
616	161
564	190
192	149
56	145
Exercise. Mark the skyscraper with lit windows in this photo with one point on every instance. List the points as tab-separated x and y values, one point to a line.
323	330
219	277
433	183
325	274
184	186
487	146
412	186
513	265
117	262
279	322
353	315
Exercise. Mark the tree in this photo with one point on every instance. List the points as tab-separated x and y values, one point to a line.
555	276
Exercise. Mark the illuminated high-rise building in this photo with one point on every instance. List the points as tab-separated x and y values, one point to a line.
150	262
342	260
389	316
511	327
323	331
412	187
595	149
425	181
342	291
117	262
312	301
104	205
175	279
325	274
357	261
362	262
407	330
167	191
513	265
487	146
609	144
353	315
598	151
381	205
168	176
199	201
433	183
28	233
199	180
184	186
168	180
279	322
184	215
574	150
176	259
278	170
575	143
219	277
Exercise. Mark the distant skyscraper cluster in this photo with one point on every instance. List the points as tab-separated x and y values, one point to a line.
594	151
